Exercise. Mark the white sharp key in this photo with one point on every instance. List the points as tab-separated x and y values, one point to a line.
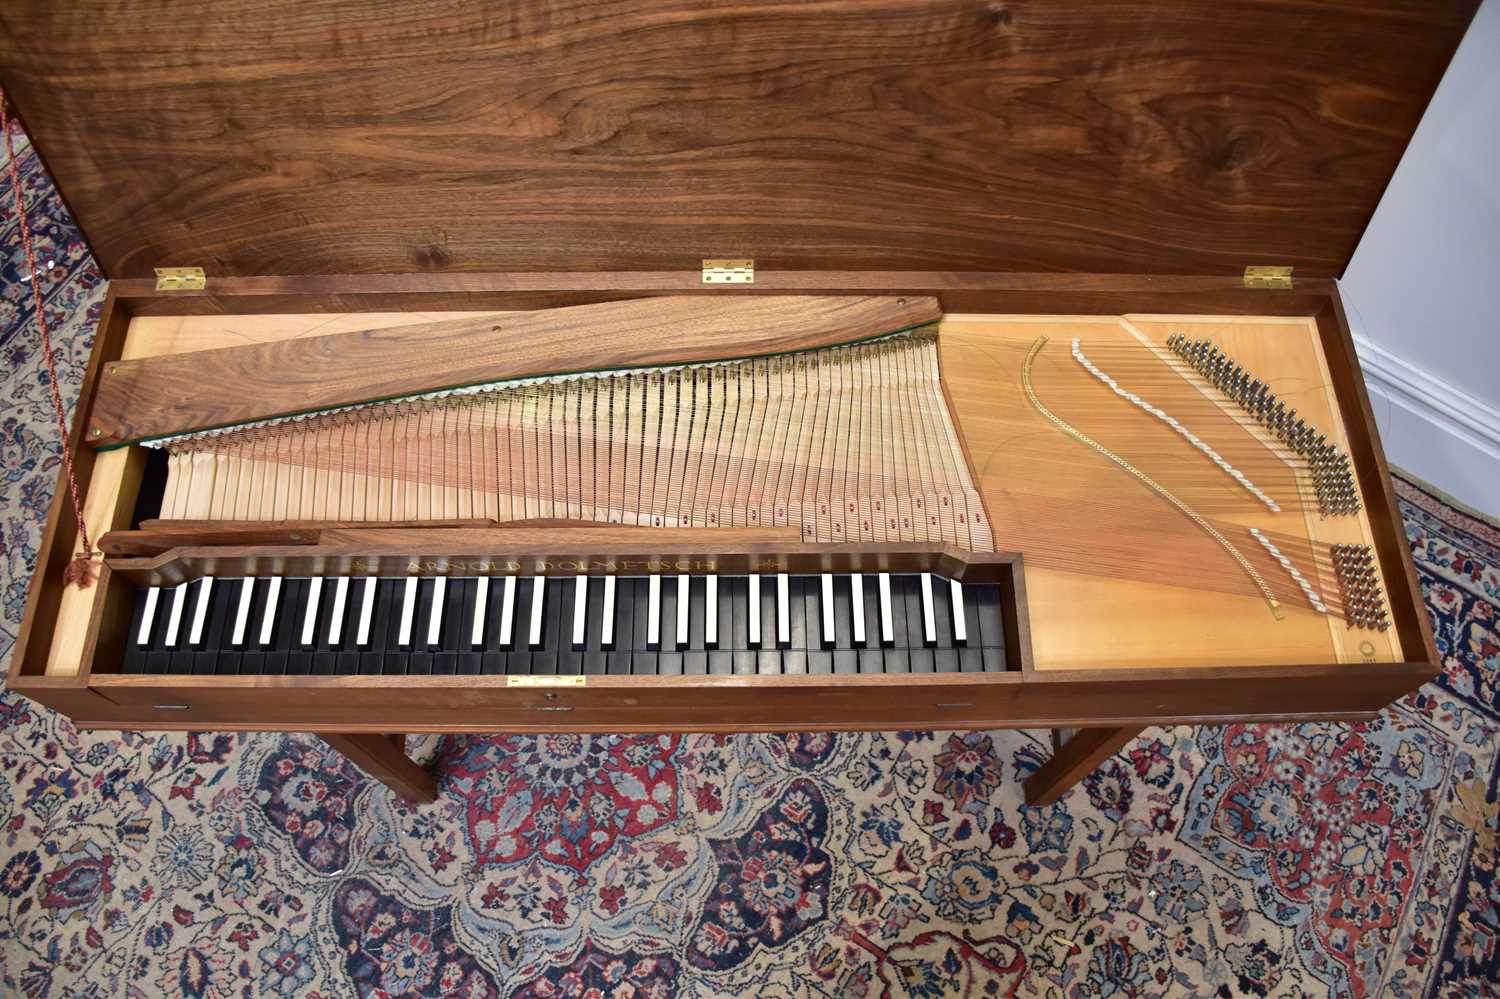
580	610
435	619
653	613
200	611
481	600
507	611
783	609
336	619
711	612
607	624
929	626
538	597
242	612
960	628
408	608
174	616
149	614
857	606
268	616
310	610
682	611
827	608
754	628
366	612
887	625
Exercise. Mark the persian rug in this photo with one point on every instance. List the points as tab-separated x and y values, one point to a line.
1311	860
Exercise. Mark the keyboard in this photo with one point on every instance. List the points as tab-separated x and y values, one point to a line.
660	625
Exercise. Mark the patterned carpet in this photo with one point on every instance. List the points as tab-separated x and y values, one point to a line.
1247	860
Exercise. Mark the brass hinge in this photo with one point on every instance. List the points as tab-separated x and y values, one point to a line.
1278	278
728	272
180	279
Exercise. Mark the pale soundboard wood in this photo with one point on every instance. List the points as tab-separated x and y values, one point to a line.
149	398
1077	517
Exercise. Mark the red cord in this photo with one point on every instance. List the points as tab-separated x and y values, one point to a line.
81	570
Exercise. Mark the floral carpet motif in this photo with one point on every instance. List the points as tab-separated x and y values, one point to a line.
1308	860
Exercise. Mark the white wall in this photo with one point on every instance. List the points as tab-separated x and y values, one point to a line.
1423	288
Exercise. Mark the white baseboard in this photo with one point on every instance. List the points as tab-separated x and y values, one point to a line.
1433	430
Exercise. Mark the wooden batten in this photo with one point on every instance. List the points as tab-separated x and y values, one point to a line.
172	394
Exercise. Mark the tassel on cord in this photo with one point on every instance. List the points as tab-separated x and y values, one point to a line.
82	571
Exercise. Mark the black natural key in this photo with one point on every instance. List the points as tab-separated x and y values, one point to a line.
986	602
325	655
217	623
843	620
518	652
734	595
595	660
819	653
643	659
872	613
252	654
794	656
544	659
669	621
371	654
910	587
945	653
971	654
386	629
698	611
669	662
569	657
618	662
456	626
162	654
768	656
419	662
279	661
492	661
695	660
133	657
158	654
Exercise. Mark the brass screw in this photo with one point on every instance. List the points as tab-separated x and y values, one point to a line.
96	432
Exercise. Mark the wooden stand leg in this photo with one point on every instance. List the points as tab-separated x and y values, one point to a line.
1073	760
384	758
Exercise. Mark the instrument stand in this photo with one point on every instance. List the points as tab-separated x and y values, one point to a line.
384	758
1073	757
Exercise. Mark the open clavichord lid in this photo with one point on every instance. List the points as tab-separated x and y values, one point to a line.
315	136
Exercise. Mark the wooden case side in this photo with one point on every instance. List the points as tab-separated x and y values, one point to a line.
1408	610
956	291
60	535
759	703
